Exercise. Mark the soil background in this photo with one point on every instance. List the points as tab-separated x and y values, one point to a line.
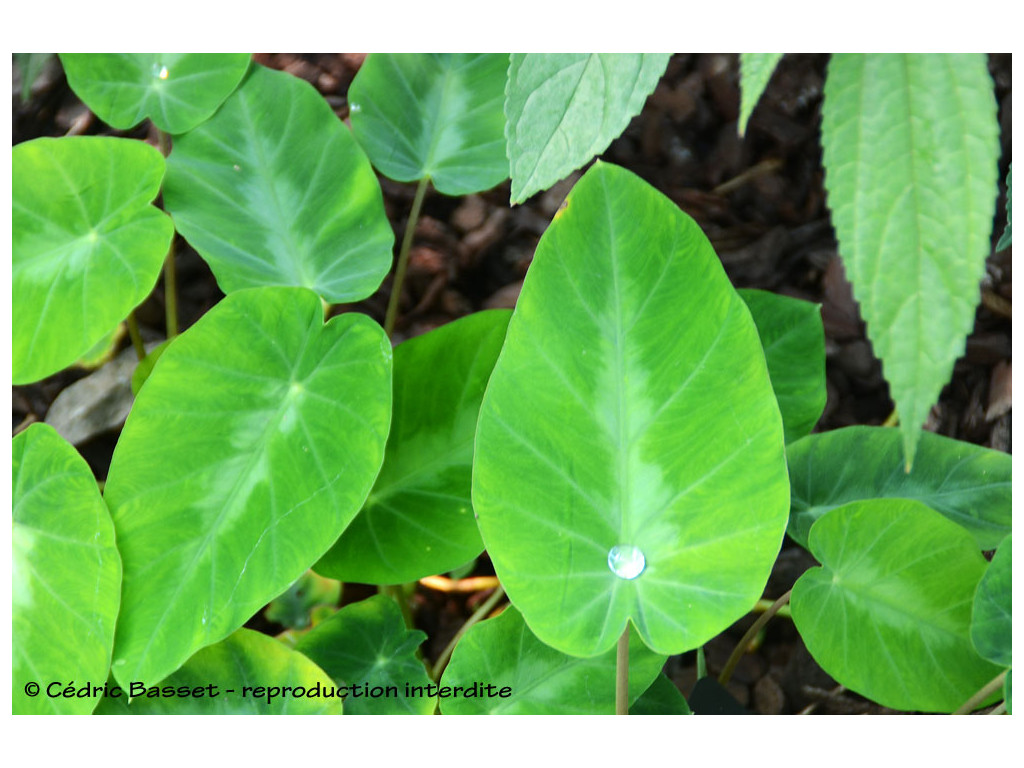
760	200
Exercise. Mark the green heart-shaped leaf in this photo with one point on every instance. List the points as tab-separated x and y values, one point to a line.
967	483
992	616
527	677
910	149
87	244
419	519
367	645
177	91
888	612
252	445
562	109
273	190
245	674
629	457
433	115
67	574
793	337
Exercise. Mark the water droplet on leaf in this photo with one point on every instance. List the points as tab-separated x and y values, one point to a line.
626	561
160	71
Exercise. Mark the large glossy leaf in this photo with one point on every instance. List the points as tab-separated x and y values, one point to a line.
755	71
419	517
888	612
66	584
87	244
967	483
177	91
629	424
245	674
562	109
793	337
275	191
911	144
367	647
992	617
531	678
252	445
433	115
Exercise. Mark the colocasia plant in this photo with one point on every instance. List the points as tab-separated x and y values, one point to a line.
630	445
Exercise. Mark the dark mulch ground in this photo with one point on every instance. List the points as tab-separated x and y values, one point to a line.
761	202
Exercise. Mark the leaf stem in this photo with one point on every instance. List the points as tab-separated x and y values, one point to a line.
403	257
163	140
170	294
397	593
741	646
987	690
136	337
478	615
622	673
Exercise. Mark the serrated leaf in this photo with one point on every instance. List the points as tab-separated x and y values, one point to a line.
274	190
793	338
66	580
418	519
249	673
433	115
177	91
968	484
239	465
367	644
562	109
755	71
87	244
911	144
888	612
992	617
633	394
537	680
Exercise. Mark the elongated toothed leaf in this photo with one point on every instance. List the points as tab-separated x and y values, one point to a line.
755	71
910	148
562	109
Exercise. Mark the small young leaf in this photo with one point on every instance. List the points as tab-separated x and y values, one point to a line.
252	674
793	338
562	109
87	244
418	520
433	115
537	679
662	698
366	644
629	459
967	483
888	612
991	620
755	71
1006	240
177	91
275	191
911	144
67	574
249	449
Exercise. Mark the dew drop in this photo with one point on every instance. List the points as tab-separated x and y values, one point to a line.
626	561
355	107
160	71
